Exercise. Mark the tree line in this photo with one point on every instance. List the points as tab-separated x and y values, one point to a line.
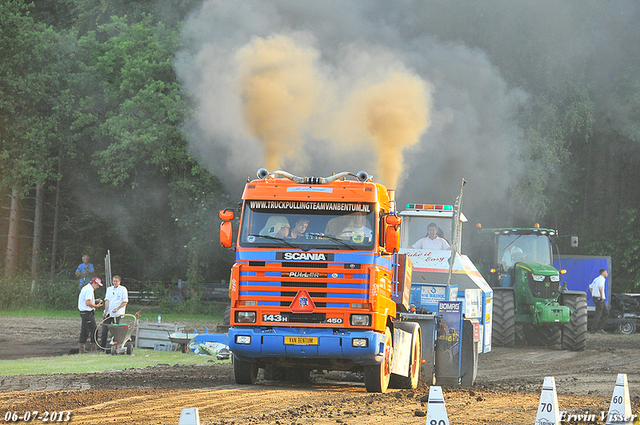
92	157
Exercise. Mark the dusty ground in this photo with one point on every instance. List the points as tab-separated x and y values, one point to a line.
507	391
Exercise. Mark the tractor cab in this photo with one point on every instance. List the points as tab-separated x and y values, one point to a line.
509	251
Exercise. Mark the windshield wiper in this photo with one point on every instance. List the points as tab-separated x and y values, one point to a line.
332	238
277	239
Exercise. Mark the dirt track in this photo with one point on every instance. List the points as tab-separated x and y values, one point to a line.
507	391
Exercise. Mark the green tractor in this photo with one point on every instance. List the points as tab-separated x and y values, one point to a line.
528	299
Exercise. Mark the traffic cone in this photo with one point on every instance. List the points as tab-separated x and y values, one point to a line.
620	408
189	416
548	410
436	411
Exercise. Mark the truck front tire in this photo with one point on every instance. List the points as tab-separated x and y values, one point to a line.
376	377
245	373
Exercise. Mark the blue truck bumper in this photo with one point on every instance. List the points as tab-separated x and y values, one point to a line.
264	343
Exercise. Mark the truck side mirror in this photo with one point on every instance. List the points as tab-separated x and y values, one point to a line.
392	232
226	214
226	228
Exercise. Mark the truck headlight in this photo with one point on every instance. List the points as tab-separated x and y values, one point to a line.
538	277
243	339
360	319
555	278
245	317
360	342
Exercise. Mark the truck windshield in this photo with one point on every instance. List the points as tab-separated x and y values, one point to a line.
308	225
513	248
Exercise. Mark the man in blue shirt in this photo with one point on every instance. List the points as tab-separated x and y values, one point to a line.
85	271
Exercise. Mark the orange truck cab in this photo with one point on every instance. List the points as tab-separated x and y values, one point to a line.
317	281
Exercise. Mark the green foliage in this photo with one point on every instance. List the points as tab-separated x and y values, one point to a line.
20	292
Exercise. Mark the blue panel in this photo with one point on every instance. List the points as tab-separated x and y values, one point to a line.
337	305
302	351
269	303
258	294
273	344
258	283
331	346
273	274
360	276
350	296
347	285
248	273
581	270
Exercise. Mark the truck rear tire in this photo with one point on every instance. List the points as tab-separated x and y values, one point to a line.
574	333
376	377
504	318
295	374
226	318
411	381
273	373
245	373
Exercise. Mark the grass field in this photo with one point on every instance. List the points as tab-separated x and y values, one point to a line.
146	312
96	362
101	362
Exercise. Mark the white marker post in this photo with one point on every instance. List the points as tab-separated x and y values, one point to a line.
620	408
189	416
436	411
548	410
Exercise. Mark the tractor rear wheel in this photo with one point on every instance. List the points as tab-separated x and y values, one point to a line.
574	333
376	377
504	318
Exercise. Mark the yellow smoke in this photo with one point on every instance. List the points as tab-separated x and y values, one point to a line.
279	87
395	114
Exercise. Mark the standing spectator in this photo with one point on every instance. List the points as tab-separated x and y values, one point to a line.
114	307
87	305
84	271
598	294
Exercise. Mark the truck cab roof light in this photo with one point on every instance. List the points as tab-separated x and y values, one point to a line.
433	207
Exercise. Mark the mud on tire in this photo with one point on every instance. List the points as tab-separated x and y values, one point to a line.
504	318
574	333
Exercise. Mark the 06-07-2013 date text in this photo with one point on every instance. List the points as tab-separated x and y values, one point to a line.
46	416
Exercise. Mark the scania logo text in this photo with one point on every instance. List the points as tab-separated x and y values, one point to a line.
305	256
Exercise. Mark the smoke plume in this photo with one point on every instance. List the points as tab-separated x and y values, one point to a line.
321	87
279	85
395	115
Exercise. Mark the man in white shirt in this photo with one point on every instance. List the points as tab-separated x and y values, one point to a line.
87	305
432	240
357	231
598	293
115	301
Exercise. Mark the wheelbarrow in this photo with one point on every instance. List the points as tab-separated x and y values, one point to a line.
182	340
121	334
